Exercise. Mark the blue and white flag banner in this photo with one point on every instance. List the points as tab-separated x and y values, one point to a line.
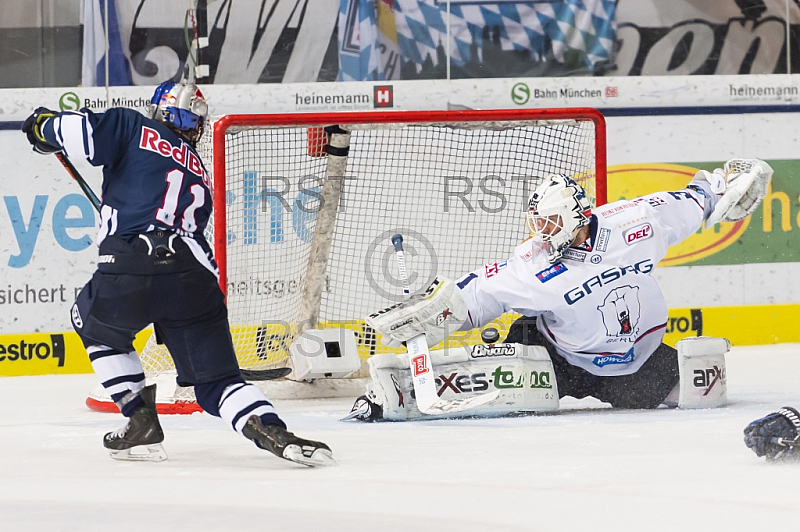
574	33
94	46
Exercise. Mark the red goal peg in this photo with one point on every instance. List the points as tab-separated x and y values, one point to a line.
317	138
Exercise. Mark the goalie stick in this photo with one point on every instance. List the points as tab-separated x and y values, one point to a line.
247	374
264	374
422	374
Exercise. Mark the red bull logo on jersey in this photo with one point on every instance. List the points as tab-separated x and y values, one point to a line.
152	141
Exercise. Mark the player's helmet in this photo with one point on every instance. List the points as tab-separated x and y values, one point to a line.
557	209
182	107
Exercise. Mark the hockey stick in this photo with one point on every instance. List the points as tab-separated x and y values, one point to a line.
87	190
264	374
422	374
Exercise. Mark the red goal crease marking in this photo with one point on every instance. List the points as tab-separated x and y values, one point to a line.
183	407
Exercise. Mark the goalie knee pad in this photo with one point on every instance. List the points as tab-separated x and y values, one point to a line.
522	375
703	380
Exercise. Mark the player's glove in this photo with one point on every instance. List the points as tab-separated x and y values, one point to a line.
776	435
32	127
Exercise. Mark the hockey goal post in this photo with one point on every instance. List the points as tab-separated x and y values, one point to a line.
303	217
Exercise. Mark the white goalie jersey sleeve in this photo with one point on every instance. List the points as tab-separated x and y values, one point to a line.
599	305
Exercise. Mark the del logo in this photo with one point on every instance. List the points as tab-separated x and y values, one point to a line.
383	96
638	233
420	365
636	180
552	271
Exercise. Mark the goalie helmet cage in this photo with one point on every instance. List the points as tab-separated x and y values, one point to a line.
303	218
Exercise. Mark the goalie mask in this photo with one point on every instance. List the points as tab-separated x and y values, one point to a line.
182	107
557	209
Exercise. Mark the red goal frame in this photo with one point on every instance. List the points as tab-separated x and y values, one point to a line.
222	124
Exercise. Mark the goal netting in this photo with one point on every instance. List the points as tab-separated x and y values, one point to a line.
303	217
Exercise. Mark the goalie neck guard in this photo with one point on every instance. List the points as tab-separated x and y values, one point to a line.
557	209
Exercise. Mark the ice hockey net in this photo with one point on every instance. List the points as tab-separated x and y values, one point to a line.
454	183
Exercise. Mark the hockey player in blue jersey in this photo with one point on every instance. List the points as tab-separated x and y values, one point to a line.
155	266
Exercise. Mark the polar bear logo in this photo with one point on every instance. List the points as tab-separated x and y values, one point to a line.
620	311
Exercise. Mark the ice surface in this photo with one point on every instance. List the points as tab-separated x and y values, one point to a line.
583	468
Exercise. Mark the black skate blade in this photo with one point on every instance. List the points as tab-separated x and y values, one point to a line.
317	458
141	453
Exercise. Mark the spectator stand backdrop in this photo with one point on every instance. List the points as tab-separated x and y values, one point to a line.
252	41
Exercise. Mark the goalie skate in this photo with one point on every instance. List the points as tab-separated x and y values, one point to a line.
286	445
140	439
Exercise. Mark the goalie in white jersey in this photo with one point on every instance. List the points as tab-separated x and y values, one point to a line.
583	283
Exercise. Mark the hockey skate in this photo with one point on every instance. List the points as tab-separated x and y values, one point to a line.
140	439
286	445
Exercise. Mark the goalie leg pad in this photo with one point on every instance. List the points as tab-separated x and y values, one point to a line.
703	379
523	376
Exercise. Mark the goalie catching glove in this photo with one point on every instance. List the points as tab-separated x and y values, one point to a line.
436	312
741	184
